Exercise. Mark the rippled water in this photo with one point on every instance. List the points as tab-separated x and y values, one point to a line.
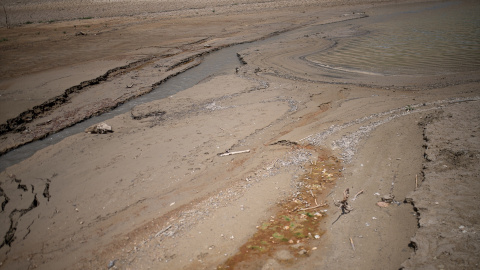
429	39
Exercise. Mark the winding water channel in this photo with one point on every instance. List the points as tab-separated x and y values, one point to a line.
433	38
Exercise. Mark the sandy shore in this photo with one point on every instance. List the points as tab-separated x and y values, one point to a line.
168	190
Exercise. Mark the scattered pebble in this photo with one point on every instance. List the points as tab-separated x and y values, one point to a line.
383	204
111	264
302	252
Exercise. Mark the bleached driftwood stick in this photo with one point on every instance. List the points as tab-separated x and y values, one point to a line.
351	242
358	193
313	207
234	153
162	231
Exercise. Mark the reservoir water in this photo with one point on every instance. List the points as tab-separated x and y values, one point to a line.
421	39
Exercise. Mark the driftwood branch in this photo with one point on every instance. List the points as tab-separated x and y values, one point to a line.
313	207
234	153
356	195
351	242
162	231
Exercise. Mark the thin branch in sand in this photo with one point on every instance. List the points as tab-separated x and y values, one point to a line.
313	207
162	231
416	181
356	195
234	153
351	242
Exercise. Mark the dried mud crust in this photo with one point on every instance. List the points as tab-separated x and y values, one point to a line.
449	232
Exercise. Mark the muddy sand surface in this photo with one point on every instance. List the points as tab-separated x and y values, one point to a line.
273	164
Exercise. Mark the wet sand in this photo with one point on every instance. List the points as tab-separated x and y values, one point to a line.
158	193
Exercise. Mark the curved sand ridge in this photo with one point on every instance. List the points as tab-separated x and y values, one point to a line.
299	57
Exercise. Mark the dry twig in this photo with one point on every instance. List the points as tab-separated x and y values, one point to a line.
313	207
358	193
351	242
234	153
162	231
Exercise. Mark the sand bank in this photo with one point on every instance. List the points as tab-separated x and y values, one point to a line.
158	193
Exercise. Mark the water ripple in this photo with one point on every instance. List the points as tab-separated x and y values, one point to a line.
429	42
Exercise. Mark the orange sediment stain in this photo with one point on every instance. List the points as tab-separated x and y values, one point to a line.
297	221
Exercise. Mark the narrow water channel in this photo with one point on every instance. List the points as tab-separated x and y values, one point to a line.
216	63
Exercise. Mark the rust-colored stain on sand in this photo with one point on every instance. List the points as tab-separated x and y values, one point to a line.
297	221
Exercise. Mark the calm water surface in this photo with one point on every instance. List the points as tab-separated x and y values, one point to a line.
427	39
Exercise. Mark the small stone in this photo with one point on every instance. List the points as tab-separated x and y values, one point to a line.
383	204
388	198
101	128
111	264
302	252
